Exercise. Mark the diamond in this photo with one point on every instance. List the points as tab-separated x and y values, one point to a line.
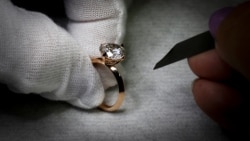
113	53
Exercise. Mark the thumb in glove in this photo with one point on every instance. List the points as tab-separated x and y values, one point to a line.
37	56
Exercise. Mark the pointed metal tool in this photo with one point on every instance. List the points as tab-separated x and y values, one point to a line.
188	48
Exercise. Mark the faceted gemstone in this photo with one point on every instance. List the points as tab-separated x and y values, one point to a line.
113	53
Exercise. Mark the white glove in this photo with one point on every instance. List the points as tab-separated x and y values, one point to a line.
93	22
37	56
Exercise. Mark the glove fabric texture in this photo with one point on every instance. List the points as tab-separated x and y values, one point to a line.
38	56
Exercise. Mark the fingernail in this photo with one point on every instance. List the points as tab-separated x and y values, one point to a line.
217	17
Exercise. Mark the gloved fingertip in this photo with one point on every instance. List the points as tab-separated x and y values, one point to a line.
216	18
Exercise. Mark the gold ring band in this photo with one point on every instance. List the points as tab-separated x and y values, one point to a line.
120	83
112	54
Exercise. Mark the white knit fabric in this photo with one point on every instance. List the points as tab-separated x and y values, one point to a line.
93	22
37	56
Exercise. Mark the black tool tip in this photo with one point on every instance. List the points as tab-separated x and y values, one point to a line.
156	66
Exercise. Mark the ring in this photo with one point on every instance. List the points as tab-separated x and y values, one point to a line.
112	54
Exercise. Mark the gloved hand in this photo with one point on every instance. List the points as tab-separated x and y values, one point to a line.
37	56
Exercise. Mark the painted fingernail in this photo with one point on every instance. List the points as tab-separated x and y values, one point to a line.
217	17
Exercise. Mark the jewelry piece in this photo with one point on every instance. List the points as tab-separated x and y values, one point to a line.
112	54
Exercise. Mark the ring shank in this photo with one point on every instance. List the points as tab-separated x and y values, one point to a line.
121	94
